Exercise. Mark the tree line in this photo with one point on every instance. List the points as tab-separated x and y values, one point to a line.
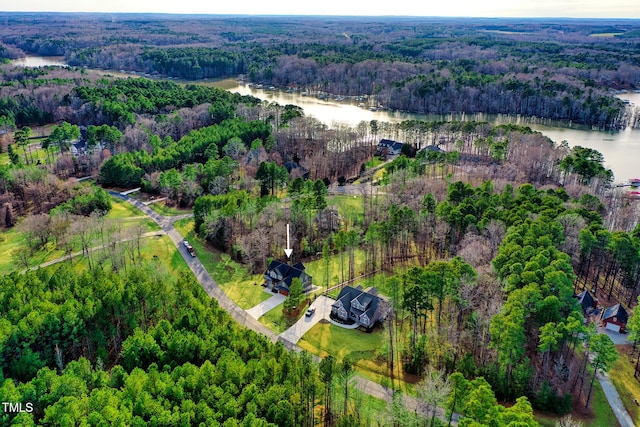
556	70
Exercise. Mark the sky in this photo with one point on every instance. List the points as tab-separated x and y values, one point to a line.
467	8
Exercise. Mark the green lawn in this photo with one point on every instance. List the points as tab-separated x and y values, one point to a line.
129	215
158	249
161	249
121	209
376	161
317	269
350	207
11	241
628	387
34	153
325	339
243	288
601	413
364	348
277	321
163	209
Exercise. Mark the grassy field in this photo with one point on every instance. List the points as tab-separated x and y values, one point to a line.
12	240
162	250
34	153
121	209
376	161
163	209
129	215
628	387
351	208
325	339
159	250
278	322
243	288
600	415
318	271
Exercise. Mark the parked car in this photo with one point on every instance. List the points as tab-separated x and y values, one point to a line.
310	311
189	248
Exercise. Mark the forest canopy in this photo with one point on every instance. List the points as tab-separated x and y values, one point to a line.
557	70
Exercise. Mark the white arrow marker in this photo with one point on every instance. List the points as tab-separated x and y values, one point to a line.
288	251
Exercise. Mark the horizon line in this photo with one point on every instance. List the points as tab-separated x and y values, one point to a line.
264	15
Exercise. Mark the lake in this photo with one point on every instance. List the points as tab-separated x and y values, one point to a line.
621	149
40	61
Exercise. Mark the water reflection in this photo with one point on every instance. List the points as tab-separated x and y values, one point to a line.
621	149
40	61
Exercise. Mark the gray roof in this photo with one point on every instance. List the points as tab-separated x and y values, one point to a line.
368	300
390	144
617	311
585	300
287	272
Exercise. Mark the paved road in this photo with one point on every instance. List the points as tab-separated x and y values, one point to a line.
304	324
244	318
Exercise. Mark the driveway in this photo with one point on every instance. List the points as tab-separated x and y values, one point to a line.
614	400
322	304
616	337
266	306
302	326
607	387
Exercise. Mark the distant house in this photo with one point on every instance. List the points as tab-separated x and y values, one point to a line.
279	276
388	147
297	169
363	308
586	301
615	318
78	147
433	148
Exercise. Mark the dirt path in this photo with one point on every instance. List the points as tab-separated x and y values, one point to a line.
92	249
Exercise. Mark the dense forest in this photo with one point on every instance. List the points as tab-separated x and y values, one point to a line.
555	69
480	234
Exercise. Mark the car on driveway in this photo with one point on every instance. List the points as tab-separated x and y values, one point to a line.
310	311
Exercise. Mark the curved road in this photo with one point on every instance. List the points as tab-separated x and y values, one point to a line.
289	338
244	318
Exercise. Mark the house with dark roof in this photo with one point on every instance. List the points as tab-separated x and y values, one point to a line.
586	301
432	148
298	169
388	147
357	306
279	276
615	318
